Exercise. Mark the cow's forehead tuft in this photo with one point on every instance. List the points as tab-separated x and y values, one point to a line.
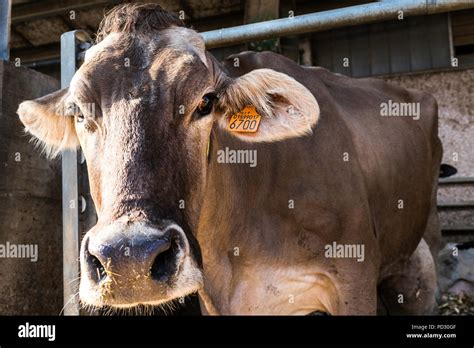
186	39
175	37
137	19
109	40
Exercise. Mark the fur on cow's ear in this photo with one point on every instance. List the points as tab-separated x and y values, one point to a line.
287	108
44	119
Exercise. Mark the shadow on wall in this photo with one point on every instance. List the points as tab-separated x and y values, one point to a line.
30	205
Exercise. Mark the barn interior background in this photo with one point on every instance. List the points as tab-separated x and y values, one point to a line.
432	52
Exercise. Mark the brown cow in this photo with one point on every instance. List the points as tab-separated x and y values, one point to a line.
331	209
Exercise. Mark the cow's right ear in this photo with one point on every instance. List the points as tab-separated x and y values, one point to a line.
45	119
276	105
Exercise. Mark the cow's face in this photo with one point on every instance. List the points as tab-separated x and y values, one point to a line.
142	109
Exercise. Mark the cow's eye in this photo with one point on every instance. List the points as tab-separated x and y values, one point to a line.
205	106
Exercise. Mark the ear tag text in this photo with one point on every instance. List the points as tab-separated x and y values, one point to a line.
246	120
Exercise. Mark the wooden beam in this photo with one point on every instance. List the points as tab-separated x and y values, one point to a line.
231	19
260	11
306	58
46	8
40	53
23	37
52	52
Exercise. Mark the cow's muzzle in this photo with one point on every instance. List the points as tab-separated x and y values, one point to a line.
125	264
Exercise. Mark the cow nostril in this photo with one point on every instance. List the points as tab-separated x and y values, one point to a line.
165	263
96	267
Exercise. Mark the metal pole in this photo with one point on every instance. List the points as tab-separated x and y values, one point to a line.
70	50
353	15
5	17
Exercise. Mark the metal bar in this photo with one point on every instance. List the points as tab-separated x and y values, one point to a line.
456	205
70	49
353	15
457	180
70	190
42	63
457	229
5	17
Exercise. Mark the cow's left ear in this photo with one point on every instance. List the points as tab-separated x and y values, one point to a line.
287	109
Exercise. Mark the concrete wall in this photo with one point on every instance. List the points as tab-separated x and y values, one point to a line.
30	203
454	91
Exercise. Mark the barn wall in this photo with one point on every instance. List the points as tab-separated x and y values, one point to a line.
454	91
30	203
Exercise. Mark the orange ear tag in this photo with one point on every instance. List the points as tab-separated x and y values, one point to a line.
245	121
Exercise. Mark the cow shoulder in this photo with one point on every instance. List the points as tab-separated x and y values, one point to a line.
367	94
426	102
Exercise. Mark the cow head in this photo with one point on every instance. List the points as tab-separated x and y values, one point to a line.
141	107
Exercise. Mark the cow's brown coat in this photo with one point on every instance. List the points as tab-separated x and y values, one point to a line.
144	157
